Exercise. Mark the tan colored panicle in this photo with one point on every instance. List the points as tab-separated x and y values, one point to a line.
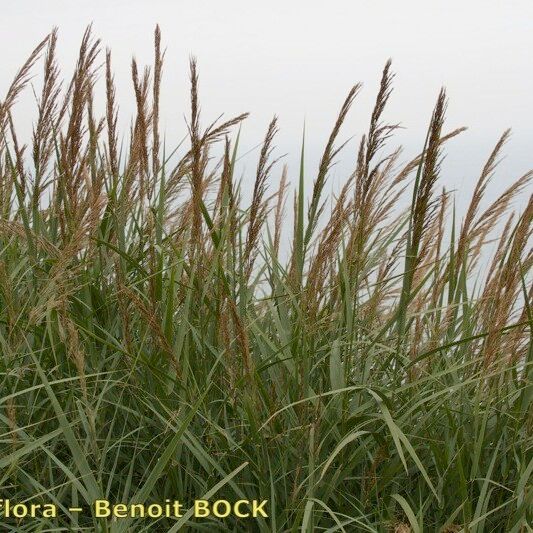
280	210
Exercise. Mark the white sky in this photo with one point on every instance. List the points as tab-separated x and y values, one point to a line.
298	59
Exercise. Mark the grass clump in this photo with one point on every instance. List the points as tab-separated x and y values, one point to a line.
160	339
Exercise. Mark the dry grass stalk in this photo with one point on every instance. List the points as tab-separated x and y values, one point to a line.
258	207
280	210
330	152
158	69
508	286
111	118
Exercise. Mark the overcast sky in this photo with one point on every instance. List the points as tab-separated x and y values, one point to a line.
298	59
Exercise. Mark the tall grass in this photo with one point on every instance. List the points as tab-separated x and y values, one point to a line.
160	339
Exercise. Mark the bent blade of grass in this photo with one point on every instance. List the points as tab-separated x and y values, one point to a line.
342	444
399	437
409	513
13	457
94	491
313	399
184	519
144	492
